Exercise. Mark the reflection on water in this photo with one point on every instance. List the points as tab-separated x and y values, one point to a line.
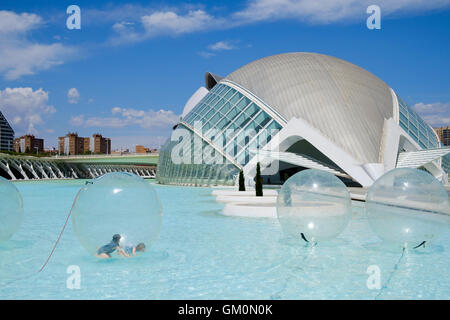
202	255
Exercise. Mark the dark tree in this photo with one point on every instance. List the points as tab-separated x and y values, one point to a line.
241	181
258	181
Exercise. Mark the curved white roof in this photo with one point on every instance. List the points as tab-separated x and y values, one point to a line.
345	102
193	100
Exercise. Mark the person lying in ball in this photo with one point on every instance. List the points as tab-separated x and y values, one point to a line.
130	250
105	251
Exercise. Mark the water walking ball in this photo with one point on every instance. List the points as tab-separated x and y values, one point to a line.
116	205
11	209
408	207
313	205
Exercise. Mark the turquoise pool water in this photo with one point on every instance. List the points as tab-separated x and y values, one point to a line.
203	255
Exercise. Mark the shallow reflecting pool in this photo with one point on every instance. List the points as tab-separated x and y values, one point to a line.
203	255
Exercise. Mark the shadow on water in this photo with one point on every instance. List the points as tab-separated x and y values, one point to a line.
207	200
299	242
382	246
212	214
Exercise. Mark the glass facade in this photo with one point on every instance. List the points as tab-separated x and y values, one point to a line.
6	135
193	172
228	120
417	129
446	163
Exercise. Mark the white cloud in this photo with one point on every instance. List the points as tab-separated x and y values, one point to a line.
206	54
140	23
164	23
11	22
216	47
171	23
125	33
435	114
25	107
77	120
18	55
122	117
221	45
329	11
73	95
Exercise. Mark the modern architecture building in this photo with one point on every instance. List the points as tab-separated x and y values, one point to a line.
295	111
29	144
27	167
6	134
72	144
444	135
99	144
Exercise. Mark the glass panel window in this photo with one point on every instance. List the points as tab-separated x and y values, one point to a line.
252	110
247	134
209	97
404	119
226	107
241	159
230	93
214	119
196	118
413	128
232	113
225	90
202	110
188	117
219	104
418	129
216	88
223	123
242	120
423	137
235	98
213	101
209	115
274	126
261	120
242	104
231	148
404	126
205	127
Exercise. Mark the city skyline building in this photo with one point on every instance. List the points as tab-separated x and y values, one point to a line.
6	134
444	135
72	144
141	149
28	144
303	110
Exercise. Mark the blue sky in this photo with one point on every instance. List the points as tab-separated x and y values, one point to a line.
130	69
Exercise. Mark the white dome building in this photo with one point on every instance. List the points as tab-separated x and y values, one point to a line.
295	111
